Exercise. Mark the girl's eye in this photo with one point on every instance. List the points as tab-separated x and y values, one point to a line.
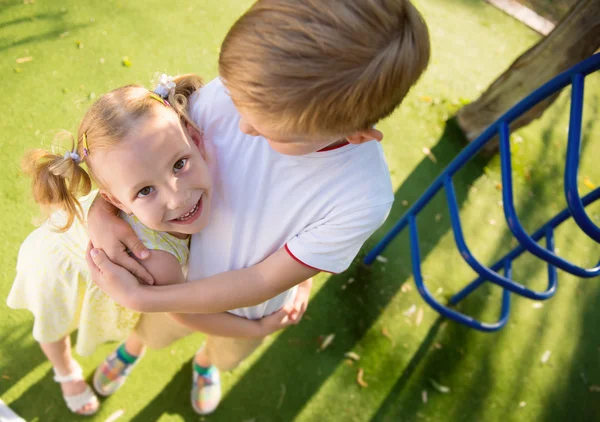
180	164
145	191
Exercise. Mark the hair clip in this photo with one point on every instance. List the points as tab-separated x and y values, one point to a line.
86	148
160	99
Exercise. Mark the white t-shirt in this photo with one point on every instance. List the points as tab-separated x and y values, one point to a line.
321	207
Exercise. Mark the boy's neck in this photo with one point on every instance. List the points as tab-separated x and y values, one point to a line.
339	143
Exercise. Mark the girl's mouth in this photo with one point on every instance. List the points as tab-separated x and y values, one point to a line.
190	216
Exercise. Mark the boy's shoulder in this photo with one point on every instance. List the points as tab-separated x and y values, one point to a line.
211	104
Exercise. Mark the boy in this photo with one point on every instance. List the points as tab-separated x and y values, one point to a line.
299	185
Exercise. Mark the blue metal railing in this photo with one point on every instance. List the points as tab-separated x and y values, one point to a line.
575	208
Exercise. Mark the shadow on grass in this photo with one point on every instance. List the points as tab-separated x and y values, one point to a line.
57	19
43	399
566	402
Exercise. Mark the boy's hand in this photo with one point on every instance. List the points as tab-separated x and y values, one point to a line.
275	321
115	281
114	236
301	301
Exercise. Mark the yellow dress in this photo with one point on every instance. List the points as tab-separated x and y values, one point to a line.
54	283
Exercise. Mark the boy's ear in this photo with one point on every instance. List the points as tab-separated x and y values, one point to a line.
362	136
109	198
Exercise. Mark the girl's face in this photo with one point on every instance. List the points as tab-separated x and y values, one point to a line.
158	173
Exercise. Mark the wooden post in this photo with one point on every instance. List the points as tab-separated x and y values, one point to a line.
576	37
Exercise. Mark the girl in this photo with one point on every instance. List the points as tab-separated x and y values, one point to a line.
144	153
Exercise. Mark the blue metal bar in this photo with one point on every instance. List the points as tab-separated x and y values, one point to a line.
443	310
518	251
572	166
576	208
515	225
483	271
559	82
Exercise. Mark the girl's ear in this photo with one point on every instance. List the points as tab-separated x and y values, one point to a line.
109	198
196	136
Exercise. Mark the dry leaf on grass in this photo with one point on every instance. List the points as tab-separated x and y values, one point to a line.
429	154
326	342
410	310
387	335
546	356
282	396
588	183
594	388
24	59
352	355
115	416
424	396
419	319
439	387
381	259
360	380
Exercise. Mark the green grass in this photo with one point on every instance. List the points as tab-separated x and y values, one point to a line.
489	374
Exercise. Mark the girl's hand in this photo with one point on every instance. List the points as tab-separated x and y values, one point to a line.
275	322
114	236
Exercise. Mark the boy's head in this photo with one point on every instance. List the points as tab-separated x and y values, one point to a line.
306	73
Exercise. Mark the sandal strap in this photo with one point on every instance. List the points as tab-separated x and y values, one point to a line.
77	402
75	375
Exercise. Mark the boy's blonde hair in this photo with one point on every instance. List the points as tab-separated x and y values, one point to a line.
324	66
58	180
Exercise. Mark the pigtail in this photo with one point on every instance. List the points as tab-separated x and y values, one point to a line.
57	182
185	86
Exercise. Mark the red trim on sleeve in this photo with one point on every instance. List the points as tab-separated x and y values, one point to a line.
304	263
332	148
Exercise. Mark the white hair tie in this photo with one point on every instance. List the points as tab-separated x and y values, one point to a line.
73	156
165	85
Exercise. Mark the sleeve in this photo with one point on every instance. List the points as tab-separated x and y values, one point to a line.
332	245
160	241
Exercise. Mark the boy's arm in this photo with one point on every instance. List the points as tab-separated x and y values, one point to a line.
221	292
330	246
113	235
225	324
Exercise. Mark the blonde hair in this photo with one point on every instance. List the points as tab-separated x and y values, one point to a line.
58	180
324	67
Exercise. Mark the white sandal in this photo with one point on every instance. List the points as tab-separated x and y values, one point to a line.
77	402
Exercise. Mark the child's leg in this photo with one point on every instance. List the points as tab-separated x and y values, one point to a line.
134	345
217	354
59	353
113	372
